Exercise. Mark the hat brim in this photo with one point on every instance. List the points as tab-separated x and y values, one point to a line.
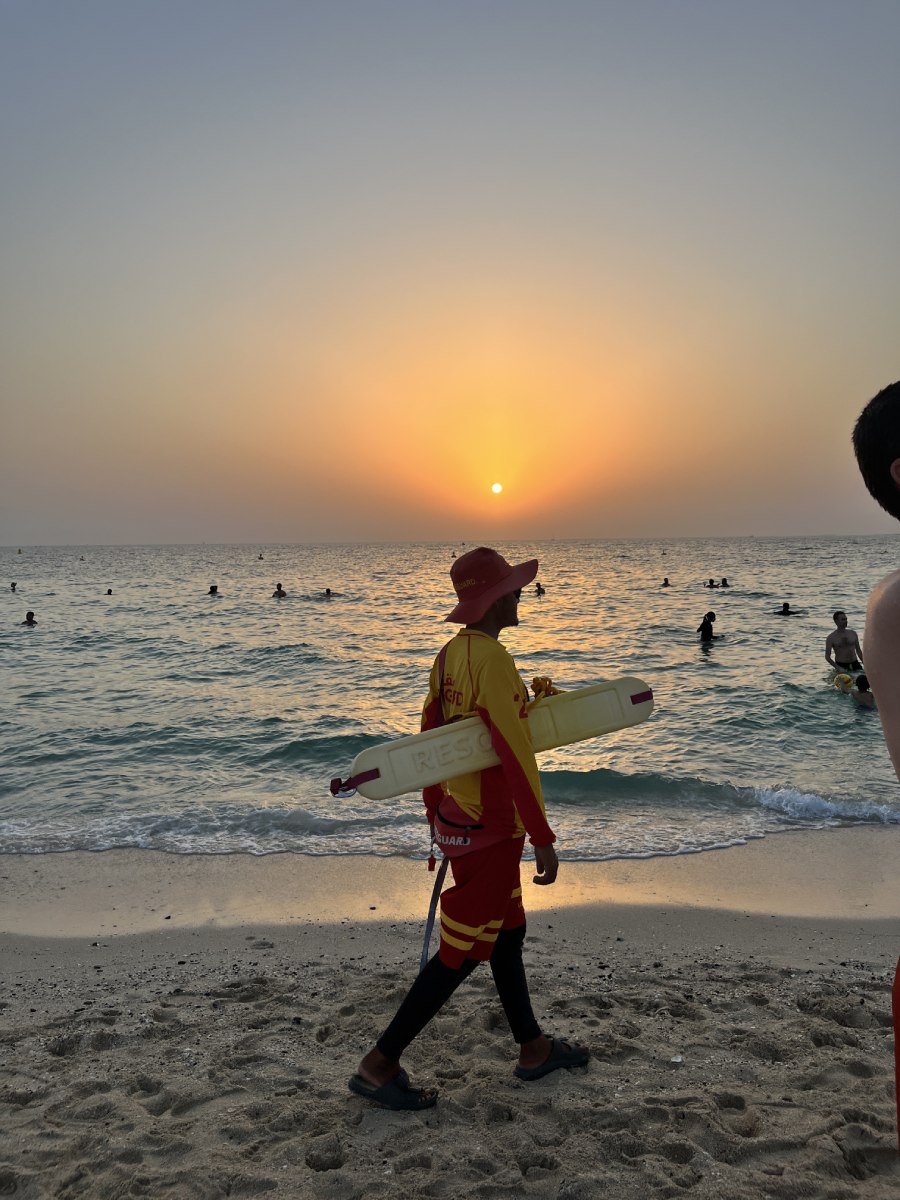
467	612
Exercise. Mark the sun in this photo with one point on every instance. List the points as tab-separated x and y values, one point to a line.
496	488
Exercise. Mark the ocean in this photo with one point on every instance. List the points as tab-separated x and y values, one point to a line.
160	717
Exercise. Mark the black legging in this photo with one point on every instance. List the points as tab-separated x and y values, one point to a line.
437	983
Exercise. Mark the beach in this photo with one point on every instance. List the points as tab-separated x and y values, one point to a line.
186	1025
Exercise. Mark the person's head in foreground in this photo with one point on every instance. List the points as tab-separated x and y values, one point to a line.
488	587
876	443
840	619
862	683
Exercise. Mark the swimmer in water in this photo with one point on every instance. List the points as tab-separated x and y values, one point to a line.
705	628
712	584
665	582
843	645
279	592
29	619
862	694
213	590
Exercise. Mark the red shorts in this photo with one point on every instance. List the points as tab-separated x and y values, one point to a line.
486	897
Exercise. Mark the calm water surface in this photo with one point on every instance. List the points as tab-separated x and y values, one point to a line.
161	717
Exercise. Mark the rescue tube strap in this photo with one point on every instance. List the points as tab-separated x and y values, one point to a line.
432	910
346	787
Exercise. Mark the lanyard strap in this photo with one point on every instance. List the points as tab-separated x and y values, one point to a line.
432	910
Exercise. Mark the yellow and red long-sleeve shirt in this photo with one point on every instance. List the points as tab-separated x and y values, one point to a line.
480	678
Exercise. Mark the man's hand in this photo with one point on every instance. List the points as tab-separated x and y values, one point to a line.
546	864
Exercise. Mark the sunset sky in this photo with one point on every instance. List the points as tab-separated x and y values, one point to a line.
326	270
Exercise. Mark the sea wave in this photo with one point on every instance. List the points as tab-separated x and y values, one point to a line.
598	815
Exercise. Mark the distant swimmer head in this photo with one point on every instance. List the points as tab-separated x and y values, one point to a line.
710	616
109	591
12	587
29	618
786	609
665	582
213	590
328	591
724	582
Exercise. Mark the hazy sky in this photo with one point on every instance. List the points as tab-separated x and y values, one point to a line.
302	271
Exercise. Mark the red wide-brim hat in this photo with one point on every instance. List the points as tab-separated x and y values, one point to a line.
483	576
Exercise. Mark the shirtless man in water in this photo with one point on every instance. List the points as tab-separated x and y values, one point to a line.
843	644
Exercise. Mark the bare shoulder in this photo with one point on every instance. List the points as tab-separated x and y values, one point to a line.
883	658
883	640
884	604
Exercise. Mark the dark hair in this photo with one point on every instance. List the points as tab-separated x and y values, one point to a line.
862	683
876	443
838	613
710	616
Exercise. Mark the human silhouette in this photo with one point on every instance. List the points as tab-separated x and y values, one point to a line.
705	628
29	619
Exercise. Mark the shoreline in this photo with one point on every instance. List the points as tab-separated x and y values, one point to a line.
834	874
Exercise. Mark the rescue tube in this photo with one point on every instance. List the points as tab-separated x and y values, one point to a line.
411	763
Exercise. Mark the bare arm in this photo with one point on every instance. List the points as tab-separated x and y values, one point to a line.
883	650
858	650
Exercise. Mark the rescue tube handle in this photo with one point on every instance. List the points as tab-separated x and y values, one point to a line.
346	787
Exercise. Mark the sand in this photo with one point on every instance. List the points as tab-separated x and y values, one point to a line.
184	1027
